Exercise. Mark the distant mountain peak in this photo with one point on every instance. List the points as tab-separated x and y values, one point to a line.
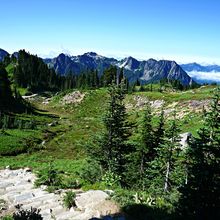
63	55
3	54
151	60
129	63
92	54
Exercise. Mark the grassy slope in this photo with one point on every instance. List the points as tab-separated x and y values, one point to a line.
77	124
65	144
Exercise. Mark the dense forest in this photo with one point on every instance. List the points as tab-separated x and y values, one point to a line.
32	73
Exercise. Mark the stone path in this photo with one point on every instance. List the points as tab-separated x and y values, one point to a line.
17	187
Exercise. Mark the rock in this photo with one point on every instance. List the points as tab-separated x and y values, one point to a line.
157	104
4	185
23	197
184	139
43	143
109	192
90	199
52	124
3	205
27	170
17	190
73	98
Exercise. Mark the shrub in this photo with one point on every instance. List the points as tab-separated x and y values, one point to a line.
91	172
69	199
8	217
123	196
111	179
71	183
50	177
33	214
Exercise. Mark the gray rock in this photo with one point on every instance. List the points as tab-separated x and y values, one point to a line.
184	139
90	199
23	197
16	189
3	185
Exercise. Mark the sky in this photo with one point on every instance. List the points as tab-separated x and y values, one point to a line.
180	30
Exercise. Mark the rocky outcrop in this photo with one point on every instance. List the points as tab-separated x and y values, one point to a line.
17	189
73	98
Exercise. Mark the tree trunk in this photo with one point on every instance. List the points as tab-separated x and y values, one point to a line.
167	177
142	170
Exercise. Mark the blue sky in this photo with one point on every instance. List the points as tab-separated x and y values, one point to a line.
184	31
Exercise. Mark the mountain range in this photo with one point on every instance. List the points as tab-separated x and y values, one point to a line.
145	71
200	68
203	73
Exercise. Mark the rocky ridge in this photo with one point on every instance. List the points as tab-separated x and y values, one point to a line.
146	71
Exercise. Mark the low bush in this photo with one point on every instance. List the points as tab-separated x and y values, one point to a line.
91	173
49	176
69	199
33	214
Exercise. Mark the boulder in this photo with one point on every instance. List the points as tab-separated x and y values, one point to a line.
184	139
90	199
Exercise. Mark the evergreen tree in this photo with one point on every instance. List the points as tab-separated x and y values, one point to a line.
121	75
201	195
146	150
113	148
6	97
143	166
109	76
166	169
159	133
171	152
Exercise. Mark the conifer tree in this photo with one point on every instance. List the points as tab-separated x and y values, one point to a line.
5	90
171	150
146	149
159	133
201	195
113	148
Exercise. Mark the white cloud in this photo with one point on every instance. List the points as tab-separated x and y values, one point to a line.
205	76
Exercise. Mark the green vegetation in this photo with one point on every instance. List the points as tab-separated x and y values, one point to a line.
204	92
8	217
49	177
69	199
201	196
109	140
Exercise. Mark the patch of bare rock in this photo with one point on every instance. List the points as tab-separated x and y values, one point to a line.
182	108
17	189
73	98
